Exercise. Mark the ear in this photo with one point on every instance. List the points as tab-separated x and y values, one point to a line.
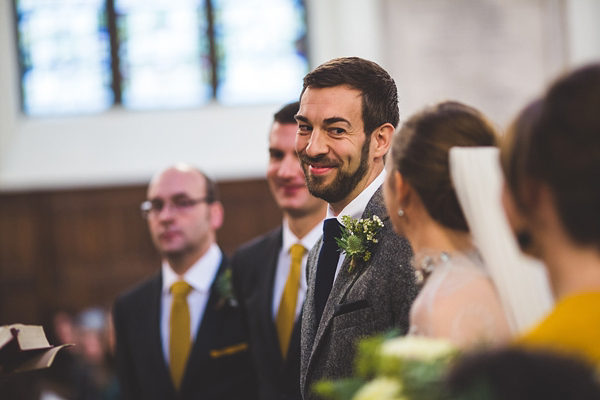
530	201
518	222
217	215
381	139
514	217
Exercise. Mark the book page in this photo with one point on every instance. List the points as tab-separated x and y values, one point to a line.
28	336
41	360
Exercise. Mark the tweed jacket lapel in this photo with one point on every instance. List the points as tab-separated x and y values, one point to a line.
342	284
309	321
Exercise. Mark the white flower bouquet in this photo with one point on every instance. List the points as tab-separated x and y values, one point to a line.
400	368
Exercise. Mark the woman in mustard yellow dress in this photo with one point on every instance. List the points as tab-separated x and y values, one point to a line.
551	162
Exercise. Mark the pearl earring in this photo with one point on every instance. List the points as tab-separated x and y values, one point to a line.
401	212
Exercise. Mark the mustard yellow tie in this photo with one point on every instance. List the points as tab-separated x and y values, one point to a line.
180	341
287	307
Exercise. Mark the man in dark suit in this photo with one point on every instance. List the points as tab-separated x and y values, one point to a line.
348	114
179	335
269	287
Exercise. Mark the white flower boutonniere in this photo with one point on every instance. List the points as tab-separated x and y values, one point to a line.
358	238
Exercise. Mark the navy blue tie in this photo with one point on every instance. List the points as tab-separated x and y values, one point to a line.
327	264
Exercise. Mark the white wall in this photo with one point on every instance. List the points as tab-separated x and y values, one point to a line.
121	147
583	21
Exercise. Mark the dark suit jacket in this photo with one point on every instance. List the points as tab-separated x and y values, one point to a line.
254	266
212	372
374	298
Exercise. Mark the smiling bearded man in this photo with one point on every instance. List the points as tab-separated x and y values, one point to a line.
348	114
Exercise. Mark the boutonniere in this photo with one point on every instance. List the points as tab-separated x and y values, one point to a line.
358	238
225	290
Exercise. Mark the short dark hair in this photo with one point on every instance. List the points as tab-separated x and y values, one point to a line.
378	89
287	114
420	152
514	149
562	150
519	374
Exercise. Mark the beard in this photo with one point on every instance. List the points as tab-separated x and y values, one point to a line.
343	183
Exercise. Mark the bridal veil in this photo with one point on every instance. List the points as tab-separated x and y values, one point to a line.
521	281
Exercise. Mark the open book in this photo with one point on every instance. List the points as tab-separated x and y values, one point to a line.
24	348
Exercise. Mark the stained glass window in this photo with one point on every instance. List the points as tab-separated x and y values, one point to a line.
80	56
162	48
65	56
261	57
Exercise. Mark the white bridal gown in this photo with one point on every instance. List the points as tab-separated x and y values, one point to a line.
459	302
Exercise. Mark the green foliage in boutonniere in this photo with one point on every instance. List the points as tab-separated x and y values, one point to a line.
225	289
358	238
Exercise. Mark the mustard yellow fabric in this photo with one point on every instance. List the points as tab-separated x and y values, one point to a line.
180	342
573	327
287	308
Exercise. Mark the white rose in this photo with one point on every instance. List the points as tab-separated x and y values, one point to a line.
417	348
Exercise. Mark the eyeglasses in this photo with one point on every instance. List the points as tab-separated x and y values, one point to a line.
178	204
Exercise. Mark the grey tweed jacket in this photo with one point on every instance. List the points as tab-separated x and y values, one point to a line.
374	298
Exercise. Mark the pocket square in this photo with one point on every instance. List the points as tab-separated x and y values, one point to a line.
227	351
346	308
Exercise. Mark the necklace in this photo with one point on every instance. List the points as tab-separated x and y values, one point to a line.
425	262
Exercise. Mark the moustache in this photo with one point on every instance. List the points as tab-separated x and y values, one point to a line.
321	161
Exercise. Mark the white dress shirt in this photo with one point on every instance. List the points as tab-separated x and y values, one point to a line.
356	208
284	261
200	277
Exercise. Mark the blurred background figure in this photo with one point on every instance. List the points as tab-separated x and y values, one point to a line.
458	300
62	380
551	162
269	272
64	328
84	371
94	333
179	333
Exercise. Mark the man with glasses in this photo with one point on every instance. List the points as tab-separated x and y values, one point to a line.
180	334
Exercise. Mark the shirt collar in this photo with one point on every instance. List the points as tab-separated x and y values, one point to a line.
200	275
308	241
356	207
